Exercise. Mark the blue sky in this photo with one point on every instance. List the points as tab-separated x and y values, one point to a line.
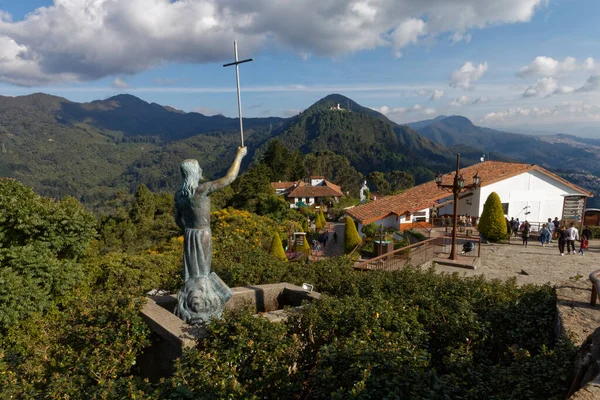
519	64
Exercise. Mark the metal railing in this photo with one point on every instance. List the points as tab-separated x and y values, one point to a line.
415	254
419	253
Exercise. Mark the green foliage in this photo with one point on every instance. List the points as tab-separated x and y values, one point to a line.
42	242
492	223
407	334
320	220
277	248
370	230
351	236
283	164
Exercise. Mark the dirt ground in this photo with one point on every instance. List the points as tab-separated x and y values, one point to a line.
542	264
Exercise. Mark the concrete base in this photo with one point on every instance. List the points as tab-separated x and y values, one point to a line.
170	335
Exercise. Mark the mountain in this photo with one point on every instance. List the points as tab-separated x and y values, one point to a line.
93	150
577	159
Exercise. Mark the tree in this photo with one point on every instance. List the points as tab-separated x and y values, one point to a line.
277	247
382	186
399	180
492	223
351	236
144	207
320	222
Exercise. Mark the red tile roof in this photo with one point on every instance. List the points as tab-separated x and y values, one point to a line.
425	195
282	185
327	190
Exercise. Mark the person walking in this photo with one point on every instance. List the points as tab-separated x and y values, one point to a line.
526	232
544	233
334	237
516	225
551	229
586	235
561	235
572	236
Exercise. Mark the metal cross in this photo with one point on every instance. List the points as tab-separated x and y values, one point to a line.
237	78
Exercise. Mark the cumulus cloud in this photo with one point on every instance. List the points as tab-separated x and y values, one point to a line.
291	112
119	83
461	101
408	32
563	110
467	74
591	85
436	95
548	66
481	100
546	87
206	111
78	40
385	110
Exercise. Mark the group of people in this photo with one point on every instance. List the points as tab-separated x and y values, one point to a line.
463	220
553	230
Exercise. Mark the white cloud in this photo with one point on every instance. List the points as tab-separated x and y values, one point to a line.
549	67
417	108
408	32
429	111
467	74
422	92
291	112
481	100
78	40
436	95
119	83
461	101
563	111
546	87
206	111
591	85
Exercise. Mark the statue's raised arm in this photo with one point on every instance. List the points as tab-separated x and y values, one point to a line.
232	173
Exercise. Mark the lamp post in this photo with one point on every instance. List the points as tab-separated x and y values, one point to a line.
457	186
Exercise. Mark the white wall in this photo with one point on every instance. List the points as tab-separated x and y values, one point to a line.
542	195
391	221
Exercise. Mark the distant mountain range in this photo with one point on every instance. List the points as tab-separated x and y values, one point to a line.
92	150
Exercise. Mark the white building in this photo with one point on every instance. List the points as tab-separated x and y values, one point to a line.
316	190
527	192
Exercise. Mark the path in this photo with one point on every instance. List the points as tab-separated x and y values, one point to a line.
543	264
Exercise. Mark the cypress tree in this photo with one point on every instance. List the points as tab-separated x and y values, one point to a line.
492	223
323	220
277	247
351	236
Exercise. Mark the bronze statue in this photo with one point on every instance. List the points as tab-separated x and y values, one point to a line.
204	294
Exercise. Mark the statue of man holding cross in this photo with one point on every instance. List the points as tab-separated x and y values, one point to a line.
204	294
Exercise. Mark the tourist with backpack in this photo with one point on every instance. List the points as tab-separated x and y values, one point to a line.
586	235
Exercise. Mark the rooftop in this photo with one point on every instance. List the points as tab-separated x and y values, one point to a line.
425	195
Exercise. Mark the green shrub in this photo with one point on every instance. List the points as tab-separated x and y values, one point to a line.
351	236
277	248
492	223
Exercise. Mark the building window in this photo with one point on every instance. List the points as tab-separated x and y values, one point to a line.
505	208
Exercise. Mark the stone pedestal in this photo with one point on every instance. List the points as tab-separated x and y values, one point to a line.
170	335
